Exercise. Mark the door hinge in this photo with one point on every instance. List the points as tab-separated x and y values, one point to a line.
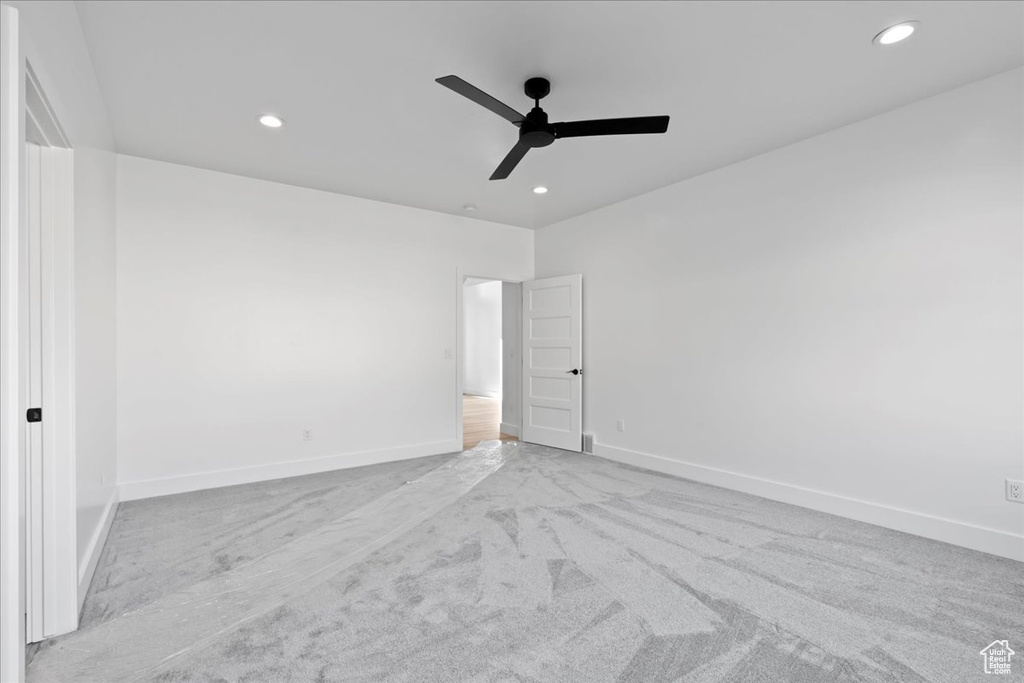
34	415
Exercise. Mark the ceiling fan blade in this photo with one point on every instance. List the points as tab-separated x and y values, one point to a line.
632	126
480	97
510	161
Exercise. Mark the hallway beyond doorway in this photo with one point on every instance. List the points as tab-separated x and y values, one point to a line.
481	419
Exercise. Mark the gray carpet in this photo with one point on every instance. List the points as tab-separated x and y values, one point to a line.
564	567
159	545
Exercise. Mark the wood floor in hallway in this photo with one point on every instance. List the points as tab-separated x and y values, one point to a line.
481	421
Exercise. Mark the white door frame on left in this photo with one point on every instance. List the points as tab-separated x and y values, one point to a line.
12	424
26	115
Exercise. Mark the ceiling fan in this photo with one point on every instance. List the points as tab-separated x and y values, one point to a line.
534	129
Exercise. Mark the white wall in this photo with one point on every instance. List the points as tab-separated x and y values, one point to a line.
249	311
481	350
837	323
512	362
56	50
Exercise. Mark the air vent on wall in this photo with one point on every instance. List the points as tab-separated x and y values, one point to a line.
588	443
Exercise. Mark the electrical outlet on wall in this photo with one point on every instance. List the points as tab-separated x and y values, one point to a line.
620	424
307	434
1015	490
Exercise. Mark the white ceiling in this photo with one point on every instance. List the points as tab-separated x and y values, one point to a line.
184	81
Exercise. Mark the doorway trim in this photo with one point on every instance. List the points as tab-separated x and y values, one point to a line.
460	279
12	425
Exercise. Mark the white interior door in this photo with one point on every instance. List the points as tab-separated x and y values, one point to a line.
553	362
34	490
51	567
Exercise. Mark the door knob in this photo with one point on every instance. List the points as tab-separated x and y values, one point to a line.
574	371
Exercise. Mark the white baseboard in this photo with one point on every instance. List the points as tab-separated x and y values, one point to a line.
962	534
149	488
511	430
481	393
95	548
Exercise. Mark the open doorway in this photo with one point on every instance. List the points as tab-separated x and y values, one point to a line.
490	361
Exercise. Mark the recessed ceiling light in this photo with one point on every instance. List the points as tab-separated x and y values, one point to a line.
271	121
469	207
897	33
540	189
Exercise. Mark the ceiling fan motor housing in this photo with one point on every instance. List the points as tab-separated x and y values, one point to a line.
535	131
